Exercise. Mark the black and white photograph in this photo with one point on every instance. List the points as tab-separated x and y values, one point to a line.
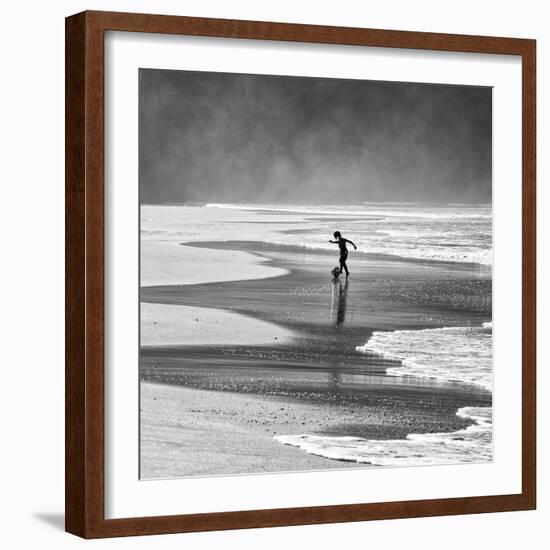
315	274
275	275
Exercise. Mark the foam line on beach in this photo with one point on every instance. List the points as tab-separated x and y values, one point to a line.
455	354
452	354
472	444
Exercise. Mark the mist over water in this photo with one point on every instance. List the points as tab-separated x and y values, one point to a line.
218	137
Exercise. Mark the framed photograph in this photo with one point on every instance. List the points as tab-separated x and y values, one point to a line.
300	274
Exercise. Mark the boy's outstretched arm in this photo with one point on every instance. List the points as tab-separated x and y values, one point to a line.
333	242
352	244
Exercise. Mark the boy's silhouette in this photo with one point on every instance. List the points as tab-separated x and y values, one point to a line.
341	242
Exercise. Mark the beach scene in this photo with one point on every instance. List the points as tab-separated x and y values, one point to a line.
315	274
255	359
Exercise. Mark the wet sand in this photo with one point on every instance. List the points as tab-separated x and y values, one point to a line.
317	383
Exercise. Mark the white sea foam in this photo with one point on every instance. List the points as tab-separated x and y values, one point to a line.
471	444
456	354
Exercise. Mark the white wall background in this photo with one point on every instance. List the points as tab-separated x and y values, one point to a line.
32	286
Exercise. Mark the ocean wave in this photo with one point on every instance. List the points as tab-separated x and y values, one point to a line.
471	444
453	354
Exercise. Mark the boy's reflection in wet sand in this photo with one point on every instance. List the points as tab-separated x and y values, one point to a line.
339	301
338	317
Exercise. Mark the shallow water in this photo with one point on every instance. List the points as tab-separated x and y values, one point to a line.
453	233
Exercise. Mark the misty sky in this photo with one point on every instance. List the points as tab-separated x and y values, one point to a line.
218	137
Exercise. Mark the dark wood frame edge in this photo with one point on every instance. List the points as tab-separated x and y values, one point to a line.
84	393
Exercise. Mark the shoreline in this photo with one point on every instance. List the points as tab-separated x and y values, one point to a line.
199	432
317	373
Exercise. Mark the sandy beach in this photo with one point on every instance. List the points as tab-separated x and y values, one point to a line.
177	325
189	432
266	347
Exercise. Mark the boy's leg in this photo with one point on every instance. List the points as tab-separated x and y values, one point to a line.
343	266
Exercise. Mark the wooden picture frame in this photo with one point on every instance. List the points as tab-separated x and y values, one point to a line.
85	263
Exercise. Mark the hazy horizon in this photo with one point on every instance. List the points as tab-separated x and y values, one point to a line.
336	204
